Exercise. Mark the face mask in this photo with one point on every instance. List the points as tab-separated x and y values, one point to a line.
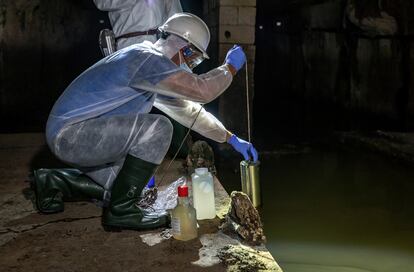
183	64
185	67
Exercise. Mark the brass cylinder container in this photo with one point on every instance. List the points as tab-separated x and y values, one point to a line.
250	181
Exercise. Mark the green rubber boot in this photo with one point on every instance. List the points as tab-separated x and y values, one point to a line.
123	211
54	186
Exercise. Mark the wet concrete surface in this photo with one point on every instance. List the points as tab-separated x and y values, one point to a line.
75	240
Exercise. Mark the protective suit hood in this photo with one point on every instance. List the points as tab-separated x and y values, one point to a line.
170	46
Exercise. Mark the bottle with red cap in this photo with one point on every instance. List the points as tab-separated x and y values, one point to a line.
183	217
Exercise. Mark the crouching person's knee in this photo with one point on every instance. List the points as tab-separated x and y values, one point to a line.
165	129
161	136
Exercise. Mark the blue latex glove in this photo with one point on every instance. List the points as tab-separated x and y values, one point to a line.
151	182
236	57
243	147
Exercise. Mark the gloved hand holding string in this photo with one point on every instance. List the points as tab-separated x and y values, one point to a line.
243	147
236	57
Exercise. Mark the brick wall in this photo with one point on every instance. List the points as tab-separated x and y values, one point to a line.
233	22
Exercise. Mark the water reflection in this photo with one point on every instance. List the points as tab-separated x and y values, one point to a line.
336	211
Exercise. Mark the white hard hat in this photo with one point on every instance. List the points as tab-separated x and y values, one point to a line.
189	27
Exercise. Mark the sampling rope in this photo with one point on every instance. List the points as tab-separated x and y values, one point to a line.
150	196
248	103
179	148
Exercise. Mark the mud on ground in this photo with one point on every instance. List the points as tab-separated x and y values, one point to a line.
73	240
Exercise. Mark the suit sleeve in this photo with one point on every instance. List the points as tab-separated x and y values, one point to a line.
185	112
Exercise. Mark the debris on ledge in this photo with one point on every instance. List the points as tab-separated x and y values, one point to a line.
241	258
244	220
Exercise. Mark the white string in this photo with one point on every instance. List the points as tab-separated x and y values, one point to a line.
152	194
248	104
181	145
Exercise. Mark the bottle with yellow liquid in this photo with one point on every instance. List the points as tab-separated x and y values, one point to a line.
183	217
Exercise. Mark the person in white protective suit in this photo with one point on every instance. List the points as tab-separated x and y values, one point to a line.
101	124
134	21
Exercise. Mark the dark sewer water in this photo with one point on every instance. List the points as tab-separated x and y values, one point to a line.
336	210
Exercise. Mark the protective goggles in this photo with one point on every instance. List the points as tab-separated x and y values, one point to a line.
192	56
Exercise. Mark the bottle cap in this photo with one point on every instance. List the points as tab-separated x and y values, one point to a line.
201	171
183	191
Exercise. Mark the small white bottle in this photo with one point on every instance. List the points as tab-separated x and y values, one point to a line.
183	217
203	194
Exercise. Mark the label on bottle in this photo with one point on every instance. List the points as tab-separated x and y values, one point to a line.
176	226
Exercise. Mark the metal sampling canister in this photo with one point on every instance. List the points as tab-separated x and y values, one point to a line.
250	181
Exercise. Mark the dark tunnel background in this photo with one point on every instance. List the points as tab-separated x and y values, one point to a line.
316	72
45	45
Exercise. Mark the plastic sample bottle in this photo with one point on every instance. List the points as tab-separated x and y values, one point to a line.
183	217
203	194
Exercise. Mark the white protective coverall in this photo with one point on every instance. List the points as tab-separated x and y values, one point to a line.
103	114
127	16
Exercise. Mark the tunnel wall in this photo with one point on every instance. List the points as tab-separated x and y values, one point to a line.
233	22
325	68
335	64
44	45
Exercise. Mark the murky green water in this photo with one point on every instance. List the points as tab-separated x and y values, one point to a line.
337	211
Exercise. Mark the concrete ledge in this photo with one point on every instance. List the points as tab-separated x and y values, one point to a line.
74	240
